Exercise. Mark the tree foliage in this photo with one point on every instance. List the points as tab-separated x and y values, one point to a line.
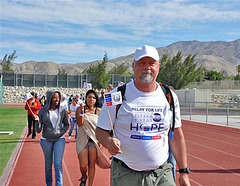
121	70
213	75
7	62
100	77
238	69
177	72
237	77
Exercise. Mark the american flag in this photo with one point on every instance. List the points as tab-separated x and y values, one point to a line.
27	96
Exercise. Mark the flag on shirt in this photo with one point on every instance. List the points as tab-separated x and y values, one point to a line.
27	96
113	98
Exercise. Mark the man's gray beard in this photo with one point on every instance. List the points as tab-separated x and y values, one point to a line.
146	76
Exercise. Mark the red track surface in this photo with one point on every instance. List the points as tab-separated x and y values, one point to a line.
13	105
213	155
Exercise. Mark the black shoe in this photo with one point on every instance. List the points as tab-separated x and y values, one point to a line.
33	137
28	134
83	182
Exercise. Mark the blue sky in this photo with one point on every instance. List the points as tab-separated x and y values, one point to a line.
71	31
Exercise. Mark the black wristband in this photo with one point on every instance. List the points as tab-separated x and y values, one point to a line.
186	170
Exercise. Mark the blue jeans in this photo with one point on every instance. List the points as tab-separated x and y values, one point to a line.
73	123
172	160
53	150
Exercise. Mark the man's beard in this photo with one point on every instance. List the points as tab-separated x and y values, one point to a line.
146	76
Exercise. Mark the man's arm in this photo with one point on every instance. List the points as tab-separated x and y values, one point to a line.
112	144
178	148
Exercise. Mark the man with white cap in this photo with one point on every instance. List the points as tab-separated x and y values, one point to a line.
141	127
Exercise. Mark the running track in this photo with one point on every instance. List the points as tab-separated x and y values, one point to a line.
213	155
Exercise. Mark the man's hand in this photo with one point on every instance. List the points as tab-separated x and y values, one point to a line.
184	180
114	146
36	118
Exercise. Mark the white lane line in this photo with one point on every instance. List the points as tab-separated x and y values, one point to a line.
195	182
19	150
212	139
213	164
205	131
67	172
214	149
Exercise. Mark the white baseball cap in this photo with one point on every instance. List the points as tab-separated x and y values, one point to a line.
146	51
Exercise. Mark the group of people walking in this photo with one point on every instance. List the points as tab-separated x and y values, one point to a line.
136	135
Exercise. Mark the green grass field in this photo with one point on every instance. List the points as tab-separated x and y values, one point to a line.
11	119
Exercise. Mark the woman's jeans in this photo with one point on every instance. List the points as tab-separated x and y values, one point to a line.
53	150
73	123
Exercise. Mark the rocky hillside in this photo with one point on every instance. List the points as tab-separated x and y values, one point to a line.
217	56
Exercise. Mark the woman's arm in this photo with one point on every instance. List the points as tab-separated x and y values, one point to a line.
65	122
98	111
80	115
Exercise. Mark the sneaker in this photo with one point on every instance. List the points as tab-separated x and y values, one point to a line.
69	137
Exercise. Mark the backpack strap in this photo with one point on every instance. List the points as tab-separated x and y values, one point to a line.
169	97
122	89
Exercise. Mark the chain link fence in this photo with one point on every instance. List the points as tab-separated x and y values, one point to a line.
223	84
65	81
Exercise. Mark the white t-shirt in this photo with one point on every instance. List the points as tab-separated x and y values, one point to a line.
142	126
64	104
80	102
53	114
73	110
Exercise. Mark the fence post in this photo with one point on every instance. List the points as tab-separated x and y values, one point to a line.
67	81
1	90
206	112
14	79
34	79
81	81
227	113
22	80
46	80
57	80
190	110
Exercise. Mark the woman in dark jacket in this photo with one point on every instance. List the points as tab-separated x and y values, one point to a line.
53	121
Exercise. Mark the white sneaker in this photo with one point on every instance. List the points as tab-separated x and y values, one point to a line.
69	137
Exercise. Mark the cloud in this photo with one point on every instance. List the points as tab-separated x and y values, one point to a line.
78	50
86	29
136	16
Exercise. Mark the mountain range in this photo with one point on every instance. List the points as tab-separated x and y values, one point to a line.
220	56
